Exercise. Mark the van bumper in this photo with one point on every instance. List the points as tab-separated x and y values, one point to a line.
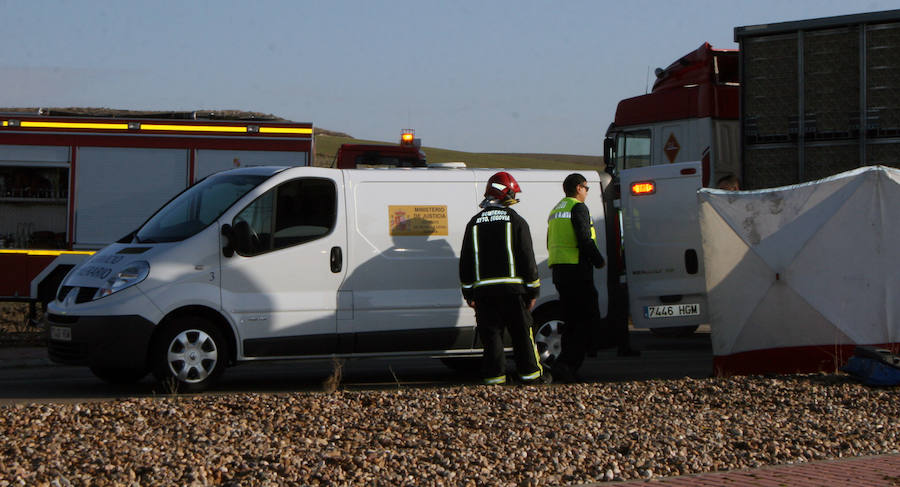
99	341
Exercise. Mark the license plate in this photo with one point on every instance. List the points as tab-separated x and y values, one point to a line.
671	310
60	333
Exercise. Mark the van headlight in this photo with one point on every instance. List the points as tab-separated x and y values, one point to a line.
127	277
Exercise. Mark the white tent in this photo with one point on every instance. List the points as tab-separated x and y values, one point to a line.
797	276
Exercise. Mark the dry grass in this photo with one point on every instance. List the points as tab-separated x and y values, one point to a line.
15	329
333	382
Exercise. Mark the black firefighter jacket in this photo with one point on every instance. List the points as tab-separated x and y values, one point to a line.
497	257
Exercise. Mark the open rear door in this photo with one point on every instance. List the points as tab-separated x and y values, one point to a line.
663	254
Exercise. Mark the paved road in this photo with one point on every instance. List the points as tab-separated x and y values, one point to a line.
872	471
662	358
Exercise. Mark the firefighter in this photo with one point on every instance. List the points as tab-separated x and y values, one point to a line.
572	244
499	279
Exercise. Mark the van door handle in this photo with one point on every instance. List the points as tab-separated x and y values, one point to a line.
337	259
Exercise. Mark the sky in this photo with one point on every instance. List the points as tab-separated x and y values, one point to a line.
476	76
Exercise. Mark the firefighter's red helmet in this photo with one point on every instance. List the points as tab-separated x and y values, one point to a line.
502	187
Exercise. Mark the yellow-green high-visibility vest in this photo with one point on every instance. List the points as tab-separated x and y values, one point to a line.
561	241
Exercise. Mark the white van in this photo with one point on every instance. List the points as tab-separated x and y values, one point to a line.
264	263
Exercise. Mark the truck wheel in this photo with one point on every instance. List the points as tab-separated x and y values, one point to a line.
114	375
547	328
189	355
675	331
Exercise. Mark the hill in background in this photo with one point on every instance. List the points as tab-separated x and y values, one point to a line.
327	144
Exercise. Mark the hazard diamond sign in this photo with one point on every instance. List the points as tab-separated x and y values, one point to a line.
671	148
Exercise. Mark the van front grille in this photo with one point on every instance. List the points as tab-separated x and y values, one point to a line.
61	319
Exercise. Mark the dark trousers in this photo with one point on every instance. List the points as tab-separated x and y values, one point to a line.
494	314
581	314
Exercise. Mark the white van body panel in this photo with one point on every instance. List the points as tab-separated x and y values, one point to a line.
405	281
411	282
662	242
182	275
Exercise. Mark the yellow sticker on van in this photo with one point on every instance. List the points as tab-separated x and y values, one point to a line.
417	220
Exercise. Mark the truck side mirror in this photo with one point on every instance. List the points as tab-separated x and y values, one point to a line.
228	234
608	159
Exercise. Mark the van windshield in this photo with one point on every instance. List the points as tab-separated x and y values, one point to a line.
197	207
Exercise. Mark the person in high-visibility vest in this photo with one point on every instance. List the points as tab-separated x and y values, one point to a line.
572	244
499	279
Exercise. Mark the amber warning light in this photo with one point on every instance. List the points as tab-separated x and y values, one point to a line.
407	137
643	187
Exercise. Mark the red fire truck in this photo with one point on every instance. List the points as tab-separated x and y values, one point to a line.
407	154
72	183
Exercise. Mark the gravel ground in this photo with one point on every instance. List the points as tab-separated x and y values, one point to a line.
467	435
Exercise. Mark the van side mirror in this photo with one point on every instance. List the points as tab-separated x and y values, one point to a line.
228	234
127	238
241	239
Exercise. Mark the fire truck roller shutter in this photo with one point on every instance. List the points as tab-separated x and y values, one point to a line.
117	189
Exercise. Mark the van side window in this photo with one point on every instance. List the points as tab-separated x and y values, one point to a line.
293	213
632	149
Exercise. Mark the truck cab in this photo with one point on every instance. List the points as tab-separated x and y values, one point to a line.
691	115
662	147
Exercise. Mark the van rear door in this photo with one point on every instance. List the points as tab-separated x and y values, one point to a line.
661	238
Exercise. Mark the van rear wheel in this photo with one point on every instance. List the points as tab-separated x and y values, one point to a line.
547	329
189	355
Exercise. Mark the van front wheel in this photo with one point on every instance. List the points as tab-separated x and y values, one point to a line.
190	355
